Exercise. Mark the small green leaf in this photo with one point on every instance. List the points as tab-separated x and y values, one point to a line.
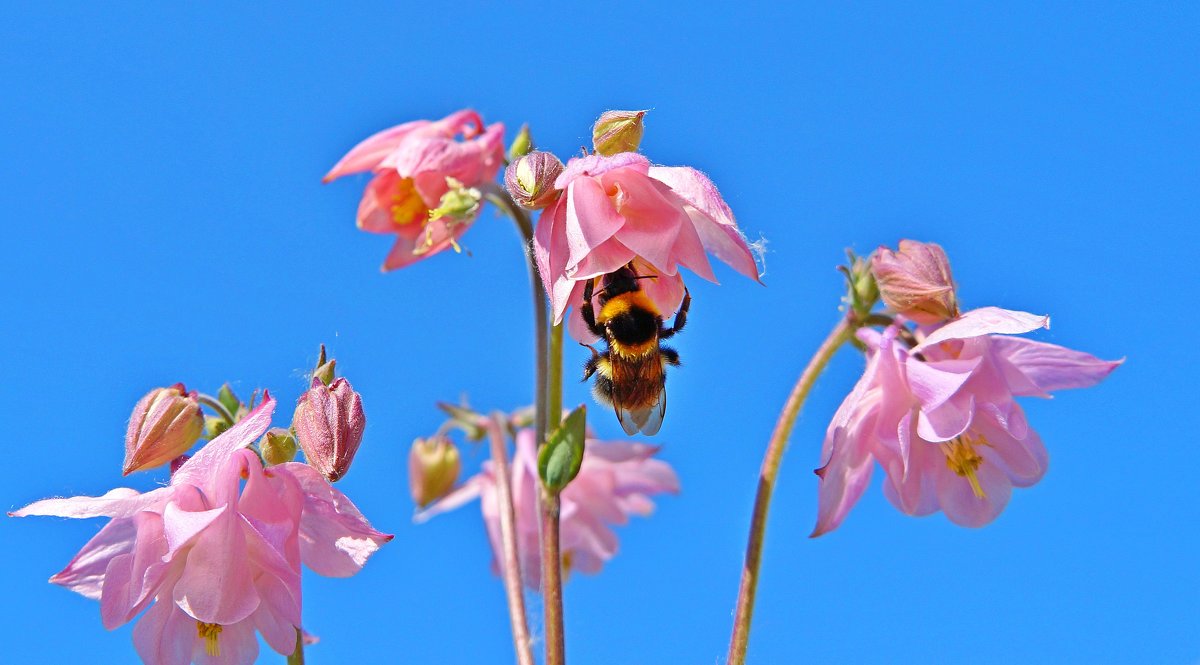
560	458
228	399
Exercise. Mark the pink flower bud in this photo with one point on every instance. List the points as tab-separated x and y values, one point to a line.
916	281
165	423
530	179
329	423
617	131
433	468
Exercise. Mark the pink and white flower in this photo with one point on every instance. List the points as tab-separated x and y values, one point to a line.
415	165
218	561
942	420
615	481
618	209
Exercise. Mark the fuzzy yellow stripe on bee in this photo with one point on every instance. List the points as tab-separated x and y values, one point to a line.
633	350
626	302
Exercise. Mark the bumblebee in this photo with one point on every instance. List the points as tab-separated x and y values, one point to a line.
631	371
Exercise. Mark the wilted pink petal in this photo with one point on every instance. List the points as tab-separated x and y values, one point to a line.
414	164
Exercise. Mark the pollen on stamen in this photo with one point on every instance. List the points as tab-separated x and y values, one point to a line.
209	632
962	459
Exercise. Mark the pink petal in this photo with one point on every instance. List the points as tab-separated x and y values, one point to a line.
591	219
608	257
116	503
203	467
165	635
935	382
947	421
237	645
85	573
710	215
595	165
335	538
666	291
375	210
1050	367
217	585
653	217
368	154
958	499
278	615
985	321
132	580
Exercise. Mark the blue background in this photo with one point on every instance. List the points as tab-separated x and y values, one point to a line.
165	222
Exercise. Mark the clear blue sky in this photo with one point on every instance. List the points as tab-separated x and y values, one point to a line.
165	221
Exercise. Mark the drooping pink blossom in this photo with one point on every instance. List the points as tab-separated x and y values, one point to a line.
415	165
618	209
942	421
217	560
615	481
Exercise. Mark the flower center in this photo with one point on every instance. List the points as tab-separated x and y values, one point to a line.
962	459
209	631
407	205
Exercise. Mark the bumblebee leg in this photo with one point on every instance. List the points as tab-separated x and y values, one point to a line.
592	364
589	314
669	355
680	317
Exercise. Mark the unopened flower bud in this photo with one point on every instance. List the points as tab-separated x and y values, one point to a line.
165	423
325	368
916	281
521	145
617	131
433	468
530	179
329	424
278	446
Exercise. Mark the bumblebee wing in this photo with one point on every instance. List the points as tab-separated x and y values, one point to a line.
646	420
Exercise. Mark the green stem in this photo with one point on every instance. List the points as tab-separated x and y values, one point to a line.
216	405
552	598
297	657
843	332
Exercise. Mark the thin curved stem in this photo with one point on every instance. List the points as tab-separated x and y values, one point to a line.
508	538
502	200
216	405
843	332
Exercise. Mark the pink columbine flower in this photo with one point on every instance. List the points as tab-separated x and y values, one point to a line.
618	209
941	418
416	164
218	561
615	481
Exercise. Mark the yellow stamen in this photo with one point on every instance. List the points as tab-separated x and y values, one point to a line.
209	631
407	205
964	461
